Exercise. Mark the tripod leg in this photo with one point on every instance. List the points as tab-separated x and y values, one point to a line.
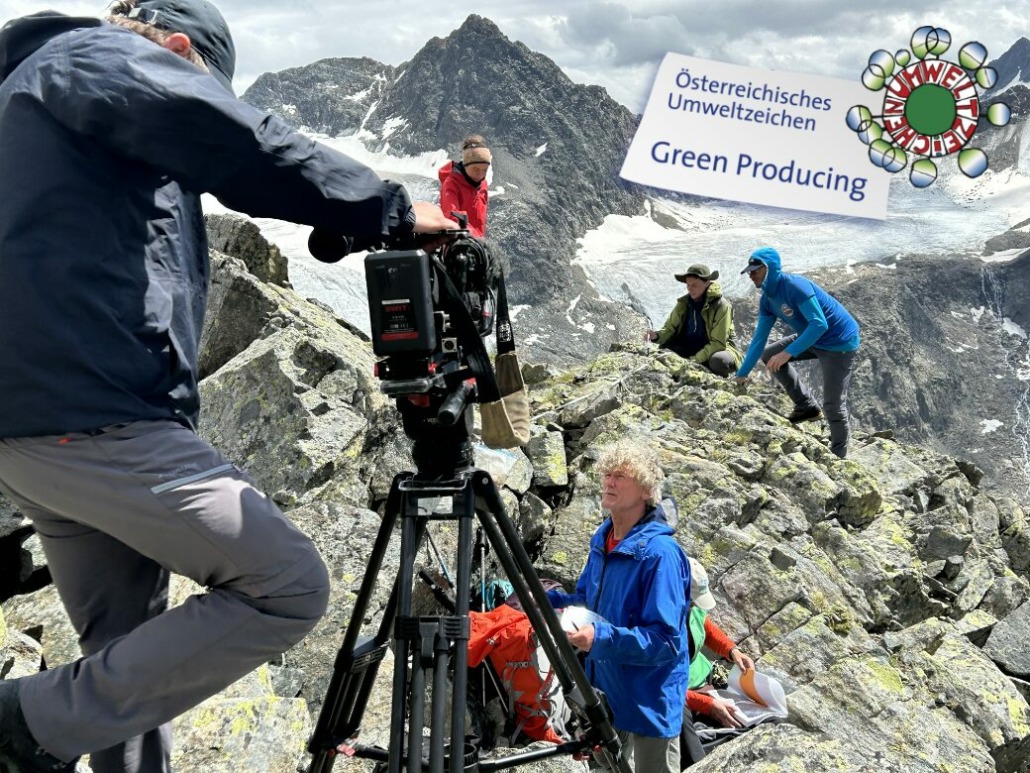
507	544
354	672
418	704
458	706
405	579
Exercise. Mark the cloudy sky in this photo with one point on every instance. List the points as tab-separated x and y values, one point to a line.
616	44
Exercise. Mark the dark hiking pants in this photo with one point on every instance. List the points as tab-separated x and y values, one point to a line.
836	367
721	363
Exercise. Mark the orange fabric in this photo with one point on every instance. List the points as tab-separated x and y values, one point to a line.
699	702
716	640
505	635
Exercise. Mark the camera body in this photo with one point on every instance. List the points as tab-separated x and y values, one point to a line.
428	313
423	308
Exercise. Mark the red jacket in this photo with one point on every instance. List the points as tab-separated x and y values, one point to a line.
458	194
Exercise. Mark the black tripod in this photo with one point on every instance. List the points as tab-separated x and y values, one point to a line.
446	487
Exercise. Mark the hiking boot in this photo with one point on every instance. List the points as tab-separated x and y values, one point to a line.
799	415
19	752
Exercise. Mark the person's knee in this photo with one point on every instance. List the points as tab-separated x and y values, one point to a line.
312	594
834	411
721	364
298	605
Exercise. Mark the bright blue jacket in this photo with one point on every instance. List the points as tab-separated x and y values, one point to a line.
639	657
817	317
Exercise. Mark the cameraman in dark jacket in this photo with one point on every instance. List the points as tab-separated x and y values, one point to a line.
109	133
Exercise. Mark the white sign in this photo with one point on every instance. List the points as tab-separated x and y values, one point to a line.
741	133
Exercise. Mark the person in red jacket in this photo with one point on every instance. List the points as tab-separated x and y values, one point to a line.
463	185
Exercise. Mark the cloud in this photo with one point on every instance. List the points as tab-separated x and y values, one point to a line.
615	43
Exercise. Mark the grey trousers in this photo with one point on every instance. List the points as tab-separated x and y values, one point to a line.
116	512
651	755
836	367
721	363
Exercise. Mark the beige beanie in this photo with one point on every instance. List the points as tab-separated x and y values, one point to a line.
477	153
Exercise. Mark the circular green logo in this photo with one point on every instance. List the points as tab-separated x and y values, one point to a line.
930	109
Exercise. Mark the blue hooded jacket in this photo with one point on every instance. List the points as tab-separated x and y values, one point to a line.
819	319
639	656
107	141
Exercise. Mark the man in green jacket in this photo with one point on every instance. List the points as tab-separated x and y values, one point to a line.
700	326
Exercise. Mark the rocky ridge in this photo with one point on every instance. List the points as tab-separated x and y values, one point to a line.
889	592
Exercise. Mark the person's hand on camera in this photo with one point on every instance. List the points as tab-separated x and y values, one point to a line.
740	380
430	219
651	335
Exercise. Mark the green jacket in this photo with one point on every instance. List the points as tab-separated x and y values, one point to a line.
700	666
717	314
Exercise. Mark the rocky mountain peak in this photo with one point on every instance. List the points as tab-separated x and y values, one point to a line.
1013	67
557	148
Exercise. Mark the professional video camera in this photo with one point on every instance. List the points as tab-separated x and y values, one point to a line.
429	312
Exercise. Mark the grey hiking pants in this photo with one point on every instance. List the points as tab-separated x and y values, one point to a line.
836	367
116	512
721	363
646	754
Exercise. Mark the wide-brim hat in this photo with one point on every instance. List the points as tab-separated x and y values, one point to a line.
701	271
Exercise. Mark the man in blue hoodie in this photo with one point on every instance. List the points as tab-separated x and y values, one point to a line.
109	132
635	580
823	330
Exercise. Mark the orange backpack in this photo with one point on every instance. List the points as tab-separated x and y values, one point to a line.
505	636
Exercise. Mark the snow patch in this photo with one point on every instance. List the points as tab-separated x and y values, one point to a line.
977	313
357	97
392	125
1012	328
1004	256
588	327
540	150
990	425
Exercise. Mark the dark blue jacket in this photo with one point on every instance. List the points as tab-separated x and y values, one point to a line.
639	656
107	141
819	319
